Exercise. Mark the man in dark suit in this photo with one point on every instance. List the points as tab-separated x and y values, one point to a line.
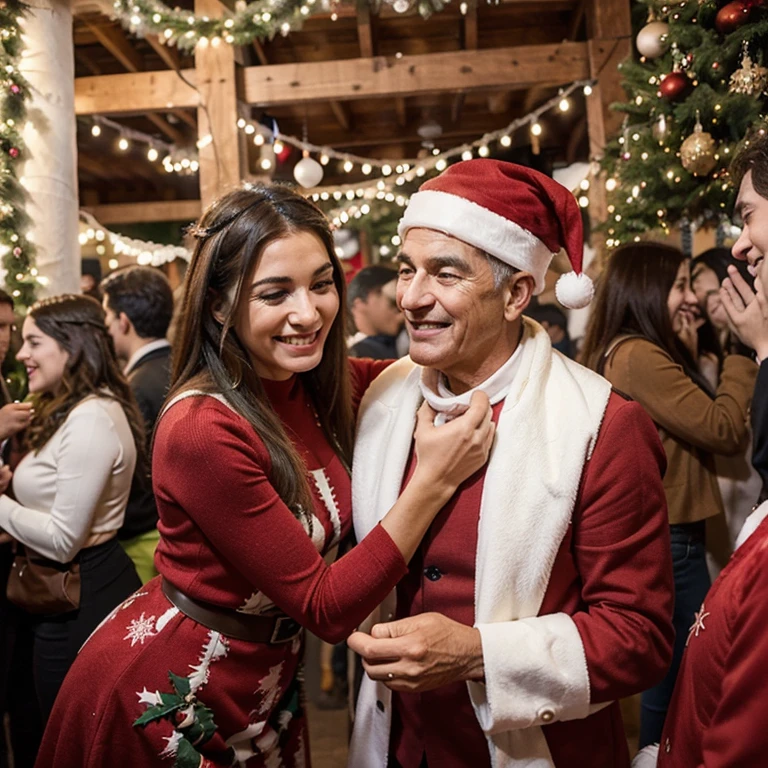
373	308
138	302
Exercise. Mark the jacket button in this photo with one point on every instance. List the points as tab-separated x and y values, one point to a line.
380	705
432	573
547	716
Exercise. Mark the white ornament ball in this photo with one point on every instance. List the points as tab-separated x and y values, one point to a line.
653	40
574	291
308	172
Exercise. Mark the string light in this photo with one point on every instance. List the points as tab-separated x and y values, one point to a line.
536	129
123	144
96	130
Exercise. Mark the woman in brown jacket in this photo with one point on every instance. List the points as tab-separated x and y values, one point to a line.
642	338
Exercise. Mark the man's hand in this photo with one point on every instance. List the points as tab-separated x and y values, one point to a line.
13	418
420	653
747	311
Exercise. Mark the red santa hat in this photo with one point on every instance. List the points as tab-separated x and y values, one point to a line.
514	213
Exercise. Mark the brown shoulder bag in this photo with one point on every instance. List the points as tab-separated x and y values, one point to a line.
43	586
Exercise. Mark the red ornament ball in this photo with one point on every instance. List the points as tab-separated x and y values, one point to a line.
730	17
17	251
15	89
674	85
13	152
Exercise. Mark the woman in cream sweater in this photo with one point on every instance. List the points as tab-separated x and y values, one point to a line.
72	486
642	338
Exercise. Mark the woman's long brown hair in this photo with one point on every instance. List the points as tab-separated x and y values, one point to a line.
76	323
632	299
231	236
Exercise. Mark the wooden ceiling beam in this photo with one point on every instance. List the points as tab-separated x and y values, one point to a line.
185	117
470	26
115	41
342	114
134	213
552	64
170	56
365	31
174	134
576	18
457	106
87	61
135	92
401	109
260	53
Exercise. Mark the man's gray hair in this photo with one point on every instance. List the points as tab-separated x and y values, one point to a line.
501	271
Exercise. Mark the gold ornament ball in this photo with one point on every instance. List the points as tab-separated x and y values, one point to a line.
697	153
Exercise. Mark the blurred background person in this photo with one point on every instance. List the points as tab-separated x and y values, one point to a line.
642	337
376	317
739	481
555	323
19	717
138	303
72	486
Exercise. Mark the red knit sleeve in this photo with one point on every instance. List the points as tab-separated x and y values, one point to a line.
737	734
210	463
622	553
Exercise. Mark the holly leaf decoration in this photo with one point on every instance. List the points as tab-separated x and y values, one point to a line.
181	684
187	756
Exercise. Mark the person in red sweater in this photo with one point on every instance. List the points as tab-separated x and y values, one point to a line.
251	476
719	708
542	592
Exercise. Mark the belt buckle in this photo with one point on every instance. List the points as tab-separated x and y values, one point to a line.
285	629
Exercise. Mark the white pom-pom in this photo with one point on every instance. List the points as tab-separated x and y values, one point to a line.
574	291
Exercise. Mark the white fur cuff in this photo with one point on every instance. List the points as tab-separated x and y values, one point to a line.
535	672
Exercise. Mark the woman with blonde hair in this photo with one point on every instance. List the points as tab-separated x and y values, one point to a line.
251	474
71	488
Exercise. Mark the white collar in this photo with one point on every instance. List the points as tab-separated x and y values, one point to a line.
143	352
434	388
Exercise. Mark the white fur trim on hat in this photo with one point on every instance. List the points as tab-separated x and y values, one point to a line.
574	291
480	227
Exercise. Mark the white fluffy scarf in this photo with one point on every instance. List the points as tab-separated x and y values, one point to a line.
545	434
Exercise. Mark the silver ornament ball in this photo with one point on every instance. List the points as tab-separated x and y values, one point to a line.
653	40
308	172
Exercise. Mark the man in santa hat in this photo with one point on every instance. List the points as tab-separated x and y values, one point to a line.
542	593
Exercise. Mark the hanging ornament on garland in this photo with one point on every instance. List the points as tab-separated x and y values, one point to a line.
652	40
730	17
697	152
674	85
308	172
751	79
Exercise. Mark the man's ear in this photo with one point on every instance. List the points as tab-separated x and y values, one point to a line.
518	293
124	323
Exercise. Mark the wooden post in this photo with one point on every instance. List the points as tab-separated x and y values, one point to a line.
609	30
219	139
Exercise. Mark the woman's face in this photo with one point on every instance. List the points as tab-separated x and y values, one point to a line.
43	357
288	307
707	289
682	300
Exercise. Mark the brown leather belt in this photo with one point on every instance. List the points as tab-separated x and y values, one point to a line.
241	626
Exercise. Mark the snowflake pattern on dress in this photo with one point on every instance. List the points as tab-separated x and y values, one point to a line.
140	629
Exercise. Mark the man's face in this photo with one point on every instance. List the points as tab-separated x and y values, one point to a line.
382	310
6	329
752	244
115	329
454	314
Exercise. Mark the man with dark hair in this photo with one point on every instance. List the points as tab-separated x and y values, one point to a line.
718	712
373	306
553	320
138	302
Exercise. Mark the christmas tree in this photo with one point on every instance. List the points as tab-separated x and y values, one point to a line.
697	90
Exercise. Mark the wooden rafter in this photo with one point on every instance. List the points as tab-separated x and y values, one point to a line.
258	49
457	106
552	64
185	117
364	31
401	109
174	134
470	26
169	55
125	213
115	41
342	114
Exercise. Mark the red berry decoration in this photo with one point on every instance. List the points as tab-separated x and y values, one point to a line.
17	251
13	152
674	85
730	17
15	90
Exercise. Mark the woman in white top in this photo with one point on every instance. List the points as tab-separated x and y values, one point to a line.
72	486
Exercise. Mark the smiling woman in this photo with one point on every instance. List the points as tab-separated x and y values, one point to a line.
251	476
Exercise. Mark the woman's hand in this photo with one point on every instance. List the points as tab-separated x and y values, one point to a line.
5	478
449	454
690	322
